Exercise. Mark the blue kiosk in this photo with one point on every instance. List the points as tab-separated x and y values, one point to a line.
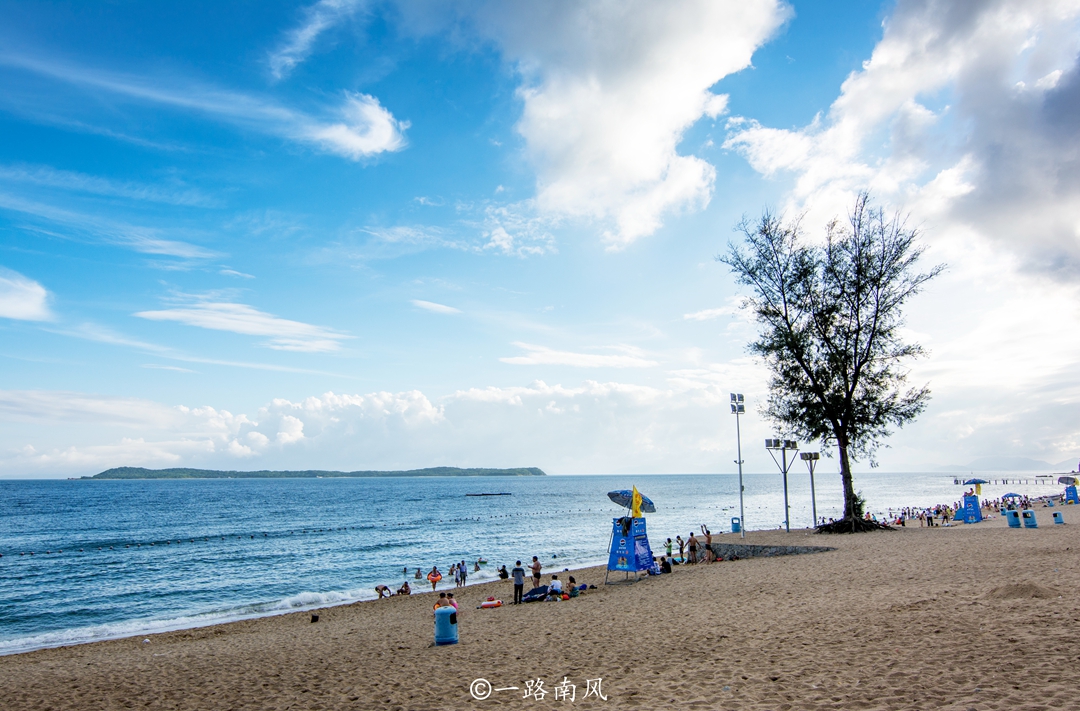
629	549
972	511
1070	495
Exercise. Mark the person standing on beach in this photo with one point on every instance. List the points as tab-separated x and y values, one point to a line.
691	546
464	570
682	549
518	573
667	547
536	567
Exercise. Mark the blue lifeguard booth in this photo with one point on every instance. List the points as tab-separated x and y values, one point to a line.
1070	495
629	550
972	511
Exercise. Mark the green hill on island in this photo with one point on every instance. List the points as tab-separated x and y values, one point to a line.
141	473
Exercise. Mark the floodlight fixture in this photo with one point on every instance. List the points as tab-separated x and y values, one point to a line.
783	445
811	459
738	408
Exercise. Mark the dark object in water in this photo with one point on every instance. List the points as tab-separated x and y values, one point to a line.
504	493
314	618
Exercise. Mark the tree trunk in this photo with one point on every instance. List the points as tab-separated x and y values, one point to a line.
851	507
853	521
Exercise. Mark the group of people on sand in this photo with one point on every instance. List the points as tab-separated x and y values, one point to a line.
693	550
384	591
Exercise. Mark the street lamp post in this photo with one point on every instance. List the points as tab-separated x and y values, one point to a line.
783	445
811	459
738	408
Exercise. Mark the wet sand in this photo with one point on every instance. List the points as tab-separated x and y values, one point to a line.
969	617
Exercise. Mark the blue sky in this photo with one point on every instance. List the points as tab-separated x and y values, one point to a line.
353	235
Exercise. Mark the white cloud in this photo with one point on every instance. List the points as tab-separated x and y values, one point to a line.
433	307
708	314
365	129
80	182
359	128
174	368
595	427
285	335
22	299
540	355
72	407
609	89
146	240
517	230
292	430
963	113
102	334
298	42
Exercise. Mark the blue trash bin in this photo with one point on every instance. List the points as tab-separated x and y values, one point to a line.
1013	517
1058	518
736	524
1029	519
446	626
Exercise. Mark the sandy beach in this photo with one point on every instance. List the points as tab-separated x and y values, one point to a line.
967	617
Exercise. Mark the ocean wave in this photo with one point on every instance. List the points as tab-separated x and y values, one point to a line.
131	628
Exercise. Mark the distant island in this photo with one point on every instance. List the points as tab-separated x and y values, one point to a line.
141	473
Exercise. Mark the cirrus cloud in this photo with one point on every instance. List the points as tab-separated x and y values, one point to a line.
285	335
540	355
21	298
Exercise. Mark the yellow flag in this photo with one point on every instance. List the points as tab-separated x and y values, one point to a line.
978	490
635	504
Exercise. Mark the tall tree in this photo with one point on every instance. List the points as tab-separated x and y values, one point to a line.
830	316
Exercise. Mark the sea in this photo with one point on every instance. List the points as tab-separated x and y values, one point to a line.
85	560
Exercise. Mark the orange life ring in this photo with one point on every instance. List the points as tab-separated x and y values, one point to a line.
488	604
434	578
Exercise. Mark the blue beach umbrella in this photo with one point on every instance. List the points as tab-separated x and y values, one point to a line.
1067	480
1011	496
975	481
623	496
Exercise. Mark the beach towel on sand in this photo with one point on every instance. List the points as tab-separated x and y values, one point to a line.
535	594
